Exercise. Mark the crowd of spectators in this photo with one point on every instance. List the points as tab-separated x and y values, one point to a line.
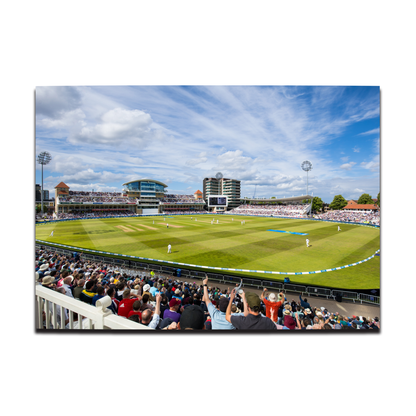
369	217
179	211
162	303
180	199
292	211
102	197
95	214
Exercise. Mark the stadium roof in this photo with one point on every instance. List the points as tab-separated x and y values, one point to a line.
290	199
361	206
146	180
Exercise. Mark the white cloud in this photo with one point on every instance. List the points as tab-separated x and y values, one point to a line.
347	166
373	165
119	126
374	131
356	149
88	176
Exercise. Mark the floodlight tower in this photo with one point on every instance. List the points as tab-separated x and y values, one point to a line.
43	159
307	166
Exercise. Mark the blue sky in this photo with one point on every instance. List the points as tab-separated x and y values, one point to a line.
101	137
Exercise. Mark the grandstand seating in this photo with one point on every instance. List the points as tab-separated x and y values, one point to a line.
292	211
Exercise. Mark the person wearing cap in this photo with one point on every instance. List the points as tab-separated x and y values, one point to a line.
172	312
252	319
272	304
218	320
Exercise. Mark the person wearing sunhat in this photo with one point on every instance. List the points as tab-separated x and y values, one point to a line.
288	320
42	269
49	282
252	319
272	304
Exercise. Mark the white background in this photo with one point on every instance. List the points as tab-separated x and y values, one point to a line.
208	43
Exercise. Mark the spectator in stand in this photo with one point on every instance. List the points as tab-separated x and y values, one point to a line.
172	312
272	305
100	294
78	288
304	302
145	303
192	318
88	293
218	320
146	291
67	286
151	318
135	310
252	319
288	320
126	305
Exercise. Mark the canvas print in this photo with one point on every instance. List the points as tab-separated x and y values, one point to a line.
207	209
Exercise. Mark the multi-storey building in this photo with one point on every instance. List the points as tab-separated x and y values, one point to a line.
223	186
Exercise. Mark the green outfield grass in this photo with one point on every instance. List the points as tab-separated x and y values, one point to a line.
232	245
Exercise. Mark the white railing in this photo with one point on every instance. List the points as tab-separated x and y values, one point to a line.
52	308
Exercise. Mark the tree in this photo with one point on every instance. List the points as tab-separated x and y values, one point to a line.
378	199
365	199
317	204
338	202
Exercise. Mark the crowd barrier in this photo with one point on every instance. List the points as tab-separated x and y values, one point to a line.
50	313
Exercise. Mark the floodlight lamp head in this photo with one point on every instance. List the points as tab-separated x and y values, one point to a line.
306	166
218	175
44	158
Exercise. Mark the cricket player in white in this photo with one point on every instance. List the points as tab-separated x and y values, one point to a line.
51	234
169	248
307	243
339	228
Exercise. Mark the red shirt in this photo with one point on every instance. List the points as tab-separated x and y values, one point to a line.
271	309
125	306
134	313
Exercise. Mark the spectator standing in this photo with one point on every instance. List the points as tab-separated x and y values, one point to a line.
218	320
252	319
272	305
